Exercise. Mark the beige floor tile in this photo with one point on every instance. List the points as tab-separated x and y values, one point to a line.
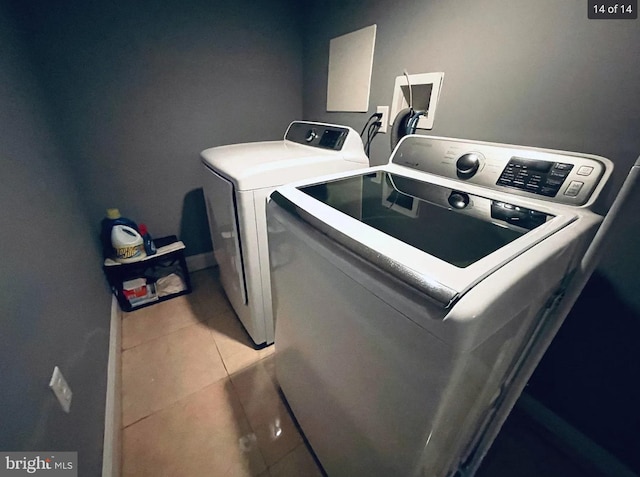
205	433
241	360
209	277
182	415
160	372
277	437
269	364
230	336
258	394
210	300
268	416
267	351
157	320
296	463
237	357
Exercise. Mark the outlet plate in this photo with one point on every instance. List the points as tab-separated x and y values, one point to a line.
425	92
61	389
384	119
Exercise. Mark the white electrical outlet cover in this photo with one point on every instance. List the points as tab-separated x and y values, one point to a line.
384	110
433	82
61	389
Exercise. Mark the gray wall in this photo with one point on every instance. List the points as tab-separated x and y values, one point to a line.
55	306
107	104
538	74
532	73
138	89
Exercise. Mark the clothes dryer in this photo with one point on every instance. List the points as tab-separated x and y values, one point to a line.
237	182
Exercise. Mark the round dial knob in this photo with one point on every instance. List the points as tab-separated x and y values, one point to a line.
468	164
311	135
458	200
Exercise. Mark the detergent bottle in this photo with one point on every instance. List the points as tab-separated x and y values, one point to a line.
127	243
149	246
112	219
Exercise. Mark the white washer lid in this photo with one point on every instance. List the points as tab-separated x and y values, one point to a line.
272	163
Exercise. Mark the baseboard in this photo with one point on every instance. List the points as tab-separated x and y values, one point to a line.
112	420
200	261
584	450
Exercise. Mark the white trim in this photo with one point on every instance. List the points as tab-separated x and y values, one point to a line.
112	422
200	261
573	441
423	97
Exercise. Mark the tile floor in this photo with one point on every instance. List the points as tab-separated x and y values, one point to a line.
198	399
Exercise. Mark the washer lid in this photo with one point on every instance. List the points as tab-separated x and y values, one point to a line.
440	239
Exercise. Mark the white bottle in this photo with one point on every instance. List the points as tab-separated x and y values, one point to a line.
127	243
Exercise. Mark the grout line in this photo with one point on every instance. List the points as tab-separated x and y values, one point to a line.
150	340
234	396
168	405
174	403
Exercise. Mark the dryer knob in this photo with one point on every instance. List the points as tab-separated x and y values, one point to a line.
458	200
311	135
468	164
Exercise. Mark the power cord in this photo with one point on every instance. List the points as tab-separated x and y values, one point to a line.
372	126
375	116
371	133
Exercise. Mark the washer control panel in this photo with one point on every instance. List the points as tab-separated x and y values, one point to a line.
540	177
317	135
562	177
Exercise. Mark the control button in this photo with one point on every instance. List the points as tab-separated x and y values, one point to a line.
311	135
549	191
585	170
554	182
458	200
574	188
468	164
561	166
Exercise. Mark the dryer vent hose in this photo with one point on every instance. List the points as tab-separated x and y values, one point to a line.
406	122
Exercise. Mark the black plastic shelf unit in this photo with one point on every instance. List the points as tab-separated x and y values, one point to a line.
168	261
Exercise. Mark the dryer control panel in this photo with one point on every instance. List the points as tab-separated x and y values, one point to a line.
317	135
563	177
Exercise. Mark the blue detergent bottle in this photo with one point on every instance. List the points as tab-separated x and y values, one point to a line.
112	219
149	246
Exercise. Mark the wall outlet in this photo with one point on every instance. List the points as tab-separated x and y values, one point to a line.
384	119
61	389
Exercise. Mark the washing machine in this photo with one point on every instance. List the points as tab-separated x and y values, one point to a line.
413	299
238	179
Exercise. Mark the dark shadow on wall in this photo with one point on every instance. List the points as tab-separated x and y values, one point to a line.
589	376
194	225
